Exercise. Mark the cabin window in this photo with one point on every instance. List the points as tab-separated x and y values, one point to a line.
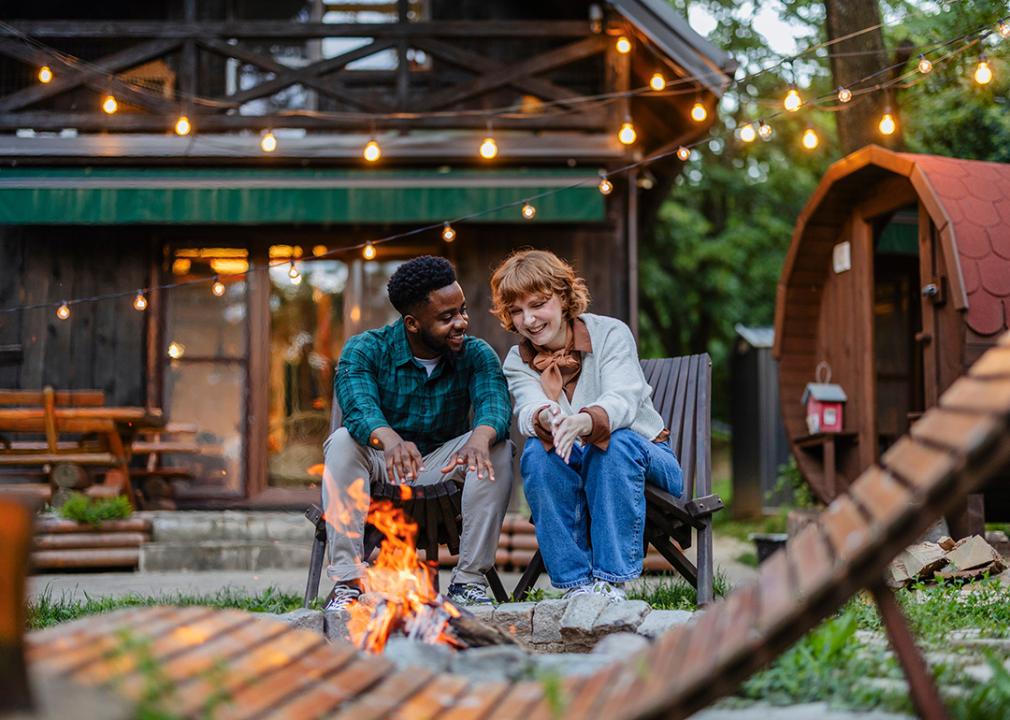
310	319
204	363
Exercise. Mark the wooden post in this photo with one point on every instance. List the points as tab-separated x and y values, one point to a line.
925	696
15	541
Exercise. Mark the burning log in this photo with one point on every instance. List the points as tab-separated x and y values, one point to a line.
402	598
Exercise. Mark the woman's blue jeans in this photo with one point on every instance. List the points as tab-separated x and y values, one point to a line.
590	514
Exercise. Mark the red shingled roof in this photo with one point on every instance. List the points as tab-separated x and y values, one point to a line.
975	197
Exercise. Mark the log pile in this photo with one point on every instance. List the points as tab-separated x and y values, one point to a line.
61	544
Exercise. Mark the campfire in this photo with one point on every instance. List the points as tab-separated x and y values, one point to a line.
400	593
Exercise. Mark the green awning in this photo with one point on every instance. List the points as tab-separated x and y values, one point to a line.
165	196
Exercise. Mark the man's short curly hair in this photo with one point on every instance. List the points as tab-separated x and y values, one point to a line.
413	280
527	272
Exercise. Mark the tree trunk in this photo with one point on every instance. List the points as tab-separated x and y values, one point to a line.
851	61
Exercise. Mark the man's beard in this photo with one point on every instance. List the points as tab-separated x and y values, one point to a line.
438	345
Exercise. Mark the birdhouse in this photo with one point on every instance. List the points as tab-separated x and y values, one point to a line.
825	403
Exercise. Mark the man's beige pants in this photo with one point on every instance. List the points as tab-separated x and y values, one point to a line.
345	502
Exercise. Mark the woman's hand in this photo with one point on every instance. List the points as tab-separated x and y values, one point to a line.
550	417
568	431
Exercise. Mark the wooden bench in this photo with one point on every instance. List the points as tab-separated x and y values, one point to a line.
264	665
72	442
681	393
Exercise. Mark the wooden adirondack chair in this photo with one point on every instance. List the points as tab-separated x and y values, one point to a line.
435	508
681	393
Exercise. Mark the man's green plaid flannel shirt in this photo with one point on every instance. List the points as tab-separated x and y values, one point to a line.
379	384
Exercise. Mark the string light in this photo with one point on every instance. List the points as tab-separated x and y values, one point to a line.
747	133
109	105
605	187
810	139
140	302
925	66
268	143
183	126
844	95
218	287
623	45
528	211
372	151
45	74
448	234
296	277
63	311
1003	28
983	73
684	153
657	82
698	112
488	148
368	252
793	101
887	124
765	130
176	350
627	134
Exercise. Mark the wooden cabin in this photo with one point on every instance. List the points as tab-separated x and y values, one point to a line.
897	279
93	204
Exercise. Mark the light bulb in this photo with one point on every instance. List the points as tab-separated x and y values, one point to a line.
488	148
368	252
1003	28
45	74
372	151
765	130
140	302
63	311
627	134
606	187
747	133
109	105
448	234
684	153
623	45
176	350
218	287
887	124
183	125
925	66
793	101
810	139
268	143
983	73
528	211
844	95
657	82
698	112
296	277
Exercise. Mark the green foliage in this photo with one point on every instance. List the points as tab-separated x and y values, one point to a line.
672	592
989	700
45	610
95	511
790	483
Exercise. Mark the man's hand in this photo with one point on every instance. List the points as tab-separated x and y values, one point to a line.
475	455
403	459
568	431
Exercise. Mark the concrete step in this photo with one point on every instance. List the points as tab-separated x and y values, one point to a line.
194	526
224	555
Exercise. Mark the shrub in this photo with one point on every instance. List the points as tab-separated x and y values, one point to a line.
94	511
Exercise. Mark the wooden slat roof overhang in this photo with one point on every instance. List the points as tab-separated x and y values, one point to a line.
968	201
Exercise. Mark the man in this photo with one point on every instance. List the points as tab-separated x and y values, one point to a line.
406	392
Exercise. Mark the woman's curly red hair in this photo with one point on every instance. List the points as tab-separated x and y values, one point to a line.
528	272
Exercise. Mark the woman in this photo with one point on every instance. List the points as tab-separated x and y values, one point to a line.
593	437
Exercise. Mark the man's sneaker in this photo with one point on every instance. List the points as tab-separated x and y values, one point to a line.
613	591
577	590
468	594
342	595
